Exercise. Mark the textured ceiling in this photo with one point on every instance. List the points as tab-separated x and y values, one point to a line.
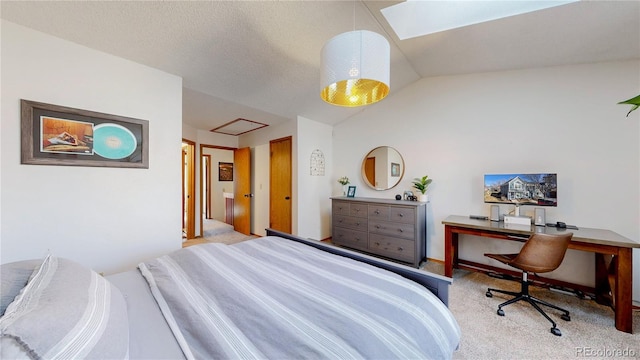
259	60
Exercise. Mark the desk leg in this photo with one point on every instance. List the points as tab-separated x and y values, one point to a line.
623	290
604	273
450	250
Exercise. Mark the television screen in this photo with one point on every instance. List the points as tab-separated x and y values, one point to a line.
521	189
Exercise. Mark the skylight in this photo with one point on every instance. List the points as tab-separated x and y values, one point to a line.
414	18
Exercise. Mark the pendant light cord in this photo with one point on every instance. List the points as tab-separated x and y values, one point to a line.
354	15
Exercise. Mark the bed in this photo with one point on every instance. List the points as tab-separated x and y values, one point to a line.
278	296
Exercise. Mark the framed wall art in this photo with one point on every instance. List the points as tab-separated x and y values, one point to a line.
395	169
225	171
59	135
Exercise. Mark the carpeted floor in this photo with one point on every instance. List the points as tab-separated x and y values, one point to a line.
217	231
525	334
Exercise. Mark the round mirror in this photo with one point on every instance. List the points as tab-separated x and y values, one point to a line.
382	168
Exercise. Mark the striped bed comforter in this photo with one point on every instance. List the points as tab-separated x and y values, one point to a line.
271	298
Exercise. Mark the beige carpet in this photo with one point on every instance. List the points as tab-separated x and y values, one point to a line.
525	334
217	232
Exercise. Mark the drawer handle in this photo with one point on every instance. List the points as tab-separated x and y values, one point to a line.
357	210
377	212
377	226
357	224
401	214
400	248
400	230
377	244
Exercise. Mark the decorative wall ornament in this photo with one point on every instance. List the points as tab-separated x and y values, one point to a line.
317	163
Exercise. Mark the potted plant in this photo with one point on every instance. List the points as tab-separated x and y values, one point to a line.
421	185
633	101
344	181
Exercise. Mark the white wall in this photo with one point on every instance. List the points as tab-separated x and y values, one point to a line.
106	218
314	192
260	188
561	119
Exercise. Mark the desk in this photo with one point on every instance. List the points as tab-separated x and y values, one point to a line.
613	256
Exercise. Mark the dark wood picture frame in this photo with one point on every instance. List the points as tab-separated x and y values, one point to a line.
225	171
395	169
60	135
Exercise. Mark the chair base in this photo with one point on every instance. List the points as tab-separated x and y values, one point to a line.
524	295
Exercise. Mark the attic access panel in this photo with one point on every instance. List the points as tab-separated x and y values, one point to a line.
238	127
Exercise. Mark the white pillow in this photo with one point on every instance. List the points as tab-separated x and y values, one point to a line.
14	277
68	311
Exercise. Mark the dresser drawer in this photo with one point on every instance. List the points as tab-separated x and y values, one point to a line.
358	210
403	214
351	238
396	229
350	222
340	208
392	247
379	212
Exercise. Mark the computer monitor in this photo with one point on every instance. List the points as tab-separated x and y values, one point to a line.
521	189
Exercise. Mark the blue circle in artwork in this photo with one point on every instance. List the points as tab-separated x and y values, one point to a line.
113	141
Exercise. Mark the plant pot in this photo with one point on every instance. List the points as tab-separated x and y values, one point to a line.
423	197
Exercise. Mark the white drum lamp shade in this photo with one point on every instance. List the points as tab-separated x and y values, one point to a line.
355	69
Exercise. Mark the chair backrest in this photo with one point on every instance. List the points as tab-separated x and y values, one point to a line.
542	252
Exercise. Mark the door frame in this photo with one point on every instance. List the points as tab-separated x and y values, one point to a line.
202	176
205	185
189	183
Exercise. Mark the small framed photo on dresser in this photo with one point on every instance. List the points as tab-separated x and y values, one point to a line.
351	192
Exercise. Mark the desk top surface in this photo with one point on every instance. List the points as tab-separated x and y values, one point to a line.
593	236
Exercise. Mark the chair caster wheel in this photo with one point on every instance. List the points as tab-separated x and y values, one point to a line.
565	317
489	294
500	312
556	331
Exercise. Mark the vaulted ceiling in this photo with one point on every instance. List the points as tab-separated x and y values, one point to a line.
259	60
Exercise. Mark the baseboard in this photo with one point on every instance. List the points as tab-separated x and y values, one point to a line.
436	260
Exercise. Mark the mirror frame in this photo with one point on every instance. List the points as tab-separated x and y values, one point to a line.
364	177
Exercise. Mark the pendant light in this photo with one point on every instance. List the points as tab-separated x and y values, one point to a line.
355	69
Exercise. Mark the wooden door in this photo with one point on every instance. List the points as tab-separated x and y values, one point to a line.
280	185
242	190
370	170
188	189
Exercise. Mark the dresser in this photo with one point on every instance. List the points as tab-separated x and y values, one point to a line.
394	229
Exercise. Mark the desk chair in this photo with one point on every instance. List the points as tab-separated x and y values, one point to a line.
541	253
